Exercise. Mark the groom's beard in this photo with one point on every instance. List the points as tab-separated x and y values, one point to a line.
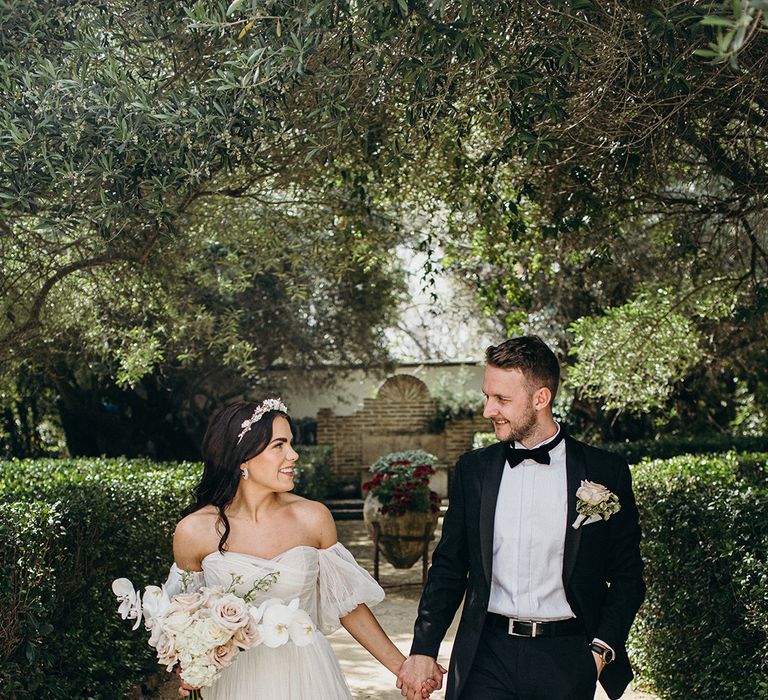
520	430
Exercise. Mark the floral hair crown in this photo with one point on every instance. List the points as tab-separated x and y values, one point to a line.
264	407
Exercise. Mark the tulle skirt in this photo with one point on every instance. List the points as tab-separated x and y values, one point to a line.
288	672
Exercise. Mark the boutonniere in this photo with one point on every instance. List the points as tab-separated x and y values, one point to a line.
594	502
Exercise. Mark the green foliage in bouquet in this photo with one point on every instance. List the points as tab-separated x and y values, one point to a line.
401	483
705	547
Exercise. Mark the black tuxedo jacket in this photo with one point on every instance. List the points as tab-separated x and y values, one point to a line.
602	569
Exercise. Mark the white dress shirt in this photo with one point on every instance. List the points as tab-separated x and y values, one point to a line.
529	540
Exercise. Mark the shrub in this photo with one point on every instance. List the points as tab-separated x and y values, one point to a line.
673	446
702	632
110	518
312	476
29	534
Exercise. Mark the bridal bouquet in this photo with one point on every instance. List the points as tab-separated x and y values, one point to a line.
205	630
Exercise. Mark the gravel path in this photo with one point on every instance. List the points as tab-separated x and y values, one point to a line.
366	678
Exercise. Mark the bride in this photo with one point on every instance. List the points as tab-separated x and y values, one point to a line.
244	525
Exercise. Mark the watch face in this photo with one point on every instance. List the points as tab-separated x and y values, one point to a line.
608	656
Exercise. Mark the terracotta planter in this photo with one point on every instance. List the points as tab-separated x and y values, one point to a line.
401	537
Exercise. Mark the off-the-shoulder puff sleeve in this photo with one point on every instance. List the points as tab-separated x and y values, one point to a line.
177	577
342	585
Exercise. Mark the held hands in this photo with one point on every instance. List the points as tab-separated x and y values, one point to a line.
419	676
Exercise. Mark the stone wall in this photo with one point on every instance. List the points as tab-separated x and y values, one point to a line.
399	418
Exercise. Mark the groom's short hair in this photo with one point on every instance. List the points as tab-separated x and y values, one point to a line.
532	356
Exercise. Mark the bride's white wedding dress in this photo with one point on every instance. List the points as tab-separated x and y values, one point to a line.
328	583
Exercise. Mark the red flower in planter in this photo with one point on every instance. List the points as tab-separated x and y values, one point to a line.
401	483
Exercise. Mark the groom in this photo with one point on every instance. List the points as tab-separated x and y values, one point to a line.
547	606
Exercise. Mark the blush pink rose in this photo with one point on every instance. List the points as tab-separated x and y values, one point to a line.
248	635
231	612
222	656
187	602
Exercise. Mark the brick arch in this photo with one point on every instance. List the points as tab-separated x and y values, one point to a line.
398	418
405	388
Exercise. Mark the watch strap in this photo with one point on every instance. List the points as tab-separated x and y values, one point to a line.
604	652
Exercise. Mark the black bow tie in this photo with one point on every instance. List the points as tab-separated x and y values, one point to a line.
538	454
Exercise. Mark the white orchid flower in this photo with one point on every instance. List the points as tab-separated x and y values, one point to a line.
130	602
256	613
275	622
301	629
154	602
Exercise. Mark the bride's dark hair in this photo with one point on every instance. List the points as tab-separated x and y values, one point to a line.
223	455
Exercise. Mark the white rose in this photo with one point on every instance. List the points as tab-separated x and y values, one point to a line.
176	619
155	602
209	595
230	612
166	651
188	602
212	632
592	493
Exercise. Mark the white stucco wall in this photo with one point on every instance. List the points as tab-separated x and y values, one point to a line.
305	398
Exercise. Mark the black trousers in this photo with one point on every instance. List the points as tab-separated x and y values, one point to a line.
522	668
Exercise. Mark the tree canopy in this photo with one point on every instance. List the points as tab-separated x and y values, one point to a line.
221	187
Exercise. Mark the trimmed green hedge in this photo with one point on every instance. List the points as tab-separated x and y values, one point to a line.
74	526
703	630
28	562
312	478
673	446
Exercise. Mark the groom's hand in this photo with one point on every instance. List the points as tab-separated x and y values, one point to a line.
419	676
599	663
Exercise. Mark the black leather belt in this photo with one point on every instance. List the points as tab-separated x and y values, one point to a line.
530	628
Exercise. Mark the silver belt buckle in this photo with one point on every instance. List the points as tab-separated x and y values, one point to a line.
534	630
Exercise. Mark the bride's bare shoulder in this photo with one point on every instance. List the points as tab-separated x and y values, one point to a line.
306	506
196	527
315	518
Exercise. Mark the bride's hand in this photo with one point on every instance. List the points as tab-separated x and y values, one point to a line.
433	683
184	688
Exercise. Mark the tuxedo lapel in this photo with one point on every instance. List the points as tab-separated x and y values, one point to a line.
488	496
576	470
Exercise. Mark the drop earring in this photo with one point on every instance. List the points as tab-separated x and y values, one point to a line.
244	473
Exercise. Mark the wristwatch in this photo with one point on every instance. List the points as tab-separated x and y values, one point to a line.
604	652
